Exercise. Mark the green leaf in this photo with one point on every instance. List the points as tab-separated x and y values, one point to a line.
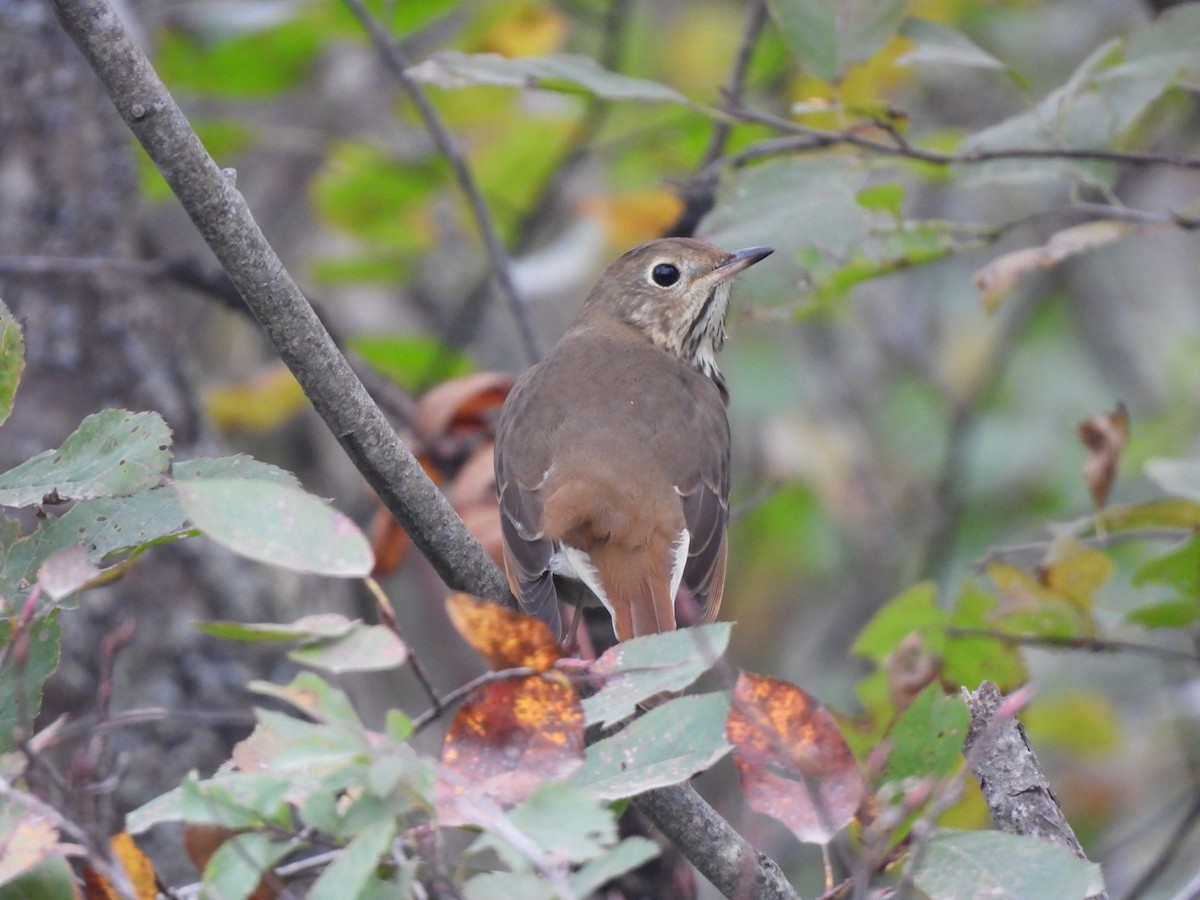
1165	49
558	72
237	466
22	680
322	625
928	737
507	885
797	205
1177	569
1177	477
626	856
277	524
667	745
111	454
102	525
887	197
351	871
969	660
1165	614
408	359
12	360
1083	723
372	195
51	879
231	800
316	698
938	44
1099	103
251	65
1155	514
236	868
637	669
364	648
913	610
829	36
971	864
566	822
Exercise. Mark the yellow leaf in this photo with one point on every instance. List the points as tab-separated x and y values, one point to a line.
634	216
1082	722
258	404
530	31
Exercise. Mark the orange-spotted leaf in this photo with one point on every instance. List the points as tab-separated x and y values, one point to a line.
508	737
137	866
791	758
1104	436
506	639
634	216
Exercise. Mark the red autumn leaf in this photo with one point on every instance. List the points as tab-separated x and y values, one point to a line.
791	758
462	403
506	639
1104	436
452	422
508	737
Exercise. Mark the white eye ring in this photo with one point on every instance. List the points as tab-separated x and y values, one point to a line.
664	274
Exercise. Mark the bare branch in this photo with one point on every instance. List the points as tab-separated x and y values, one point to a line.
1091	645
397	63
807	139
1017	793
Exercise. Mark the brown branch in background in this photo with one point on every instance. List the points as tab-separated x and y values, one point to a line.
220	214
807	139
396	62
1016	791
700	192
1089	645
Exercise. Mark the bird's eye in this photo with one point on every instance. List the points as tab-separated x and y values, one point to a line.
665	274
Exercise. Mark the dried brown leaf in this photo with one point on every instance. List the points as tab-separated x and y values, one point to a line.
462	404
997	279
1104	436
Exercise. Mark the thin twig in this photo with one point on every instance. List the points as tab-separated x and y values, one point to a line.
700	192
1088	644
806	138
1036	550
388	617
397	63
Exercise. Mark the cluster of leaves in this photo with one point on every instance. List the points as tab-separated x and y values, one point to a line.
513	762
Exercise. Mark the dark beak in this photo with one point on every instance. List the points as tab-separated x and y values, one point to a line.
740	260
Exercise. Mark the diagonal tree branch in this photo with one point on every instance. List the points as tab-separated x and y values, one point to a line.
220	213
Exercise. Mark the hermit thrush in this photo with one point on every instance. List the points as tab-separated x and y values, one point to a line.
612	454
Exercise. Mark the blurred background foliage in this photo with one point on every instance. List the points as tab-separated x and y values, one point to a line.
894	424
